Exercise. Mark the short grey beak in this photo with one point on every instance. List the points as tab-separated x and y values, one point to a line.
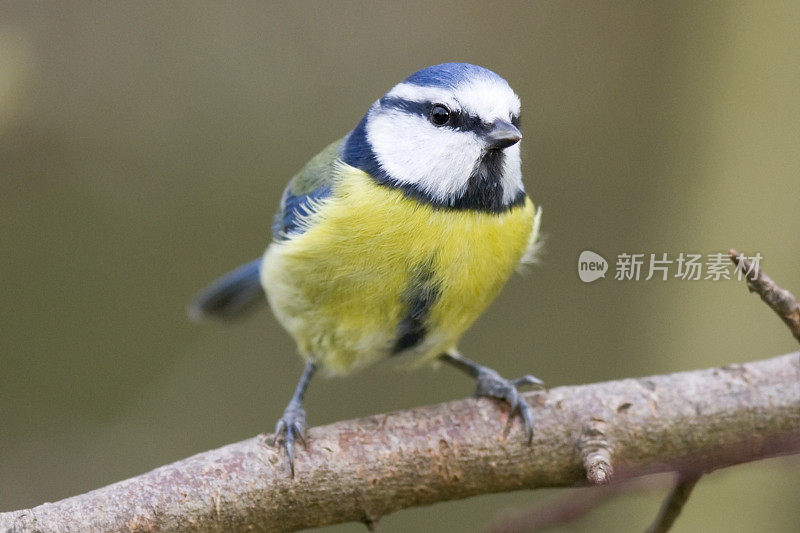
501	135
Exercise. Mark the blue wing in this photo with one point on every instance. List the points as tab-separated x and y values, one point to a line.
310	187
236	291
288	220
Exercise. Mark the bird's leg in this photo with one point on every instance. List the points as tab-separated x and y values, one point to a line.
491	384
292	425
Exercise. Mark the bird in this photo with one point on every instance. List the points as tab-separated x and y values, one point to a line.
394	239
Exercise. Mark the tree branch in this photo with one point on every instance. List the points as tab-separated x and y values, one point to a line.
779	300
360	470
596	448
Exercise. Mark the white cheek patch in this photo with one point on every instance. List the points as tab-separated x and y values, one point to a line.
413	151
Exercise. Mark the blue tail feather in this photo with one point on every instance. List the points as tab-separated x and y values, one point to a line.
229	295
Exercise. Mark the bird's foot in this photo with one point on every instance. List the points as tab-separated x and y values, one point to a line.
292	426
492	384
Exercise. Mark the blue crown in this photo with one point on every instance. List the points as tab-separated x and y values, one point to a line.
449	75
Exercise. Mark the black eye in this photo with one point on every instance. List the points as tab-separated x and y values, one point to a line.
440	115
515	120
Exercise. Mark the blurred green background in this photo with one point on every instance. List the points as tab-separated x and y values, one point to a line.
144	146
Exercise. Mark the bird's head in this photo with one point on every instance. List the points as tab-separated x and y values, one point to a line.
447	134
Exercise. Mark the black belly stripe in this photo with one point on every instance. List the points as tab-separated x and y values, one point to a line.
420	297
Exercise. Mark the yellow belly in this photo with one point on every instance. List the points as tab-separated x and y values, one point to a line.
338	288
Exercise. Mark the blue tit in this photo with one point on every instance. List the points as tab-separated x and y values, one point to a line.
393	240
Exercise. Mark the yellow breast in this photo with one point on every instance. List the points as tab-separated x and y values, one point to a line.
339	287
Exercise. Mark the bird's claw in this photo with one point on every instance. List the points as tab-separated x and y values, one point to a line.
491	384
528	379
291	426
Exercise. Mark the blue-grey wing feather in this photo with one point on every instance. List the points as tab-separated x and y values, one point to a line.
236	291
305	192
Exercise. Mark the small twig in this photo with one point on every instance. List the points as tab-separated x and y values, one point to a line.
596	451
684	483
780	300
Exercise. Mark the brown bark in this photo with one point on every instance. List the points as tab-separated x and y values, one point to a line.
360	470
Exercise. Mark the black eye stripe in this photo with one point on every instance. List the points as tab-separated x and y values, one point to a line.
458	119
472	123
422	109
